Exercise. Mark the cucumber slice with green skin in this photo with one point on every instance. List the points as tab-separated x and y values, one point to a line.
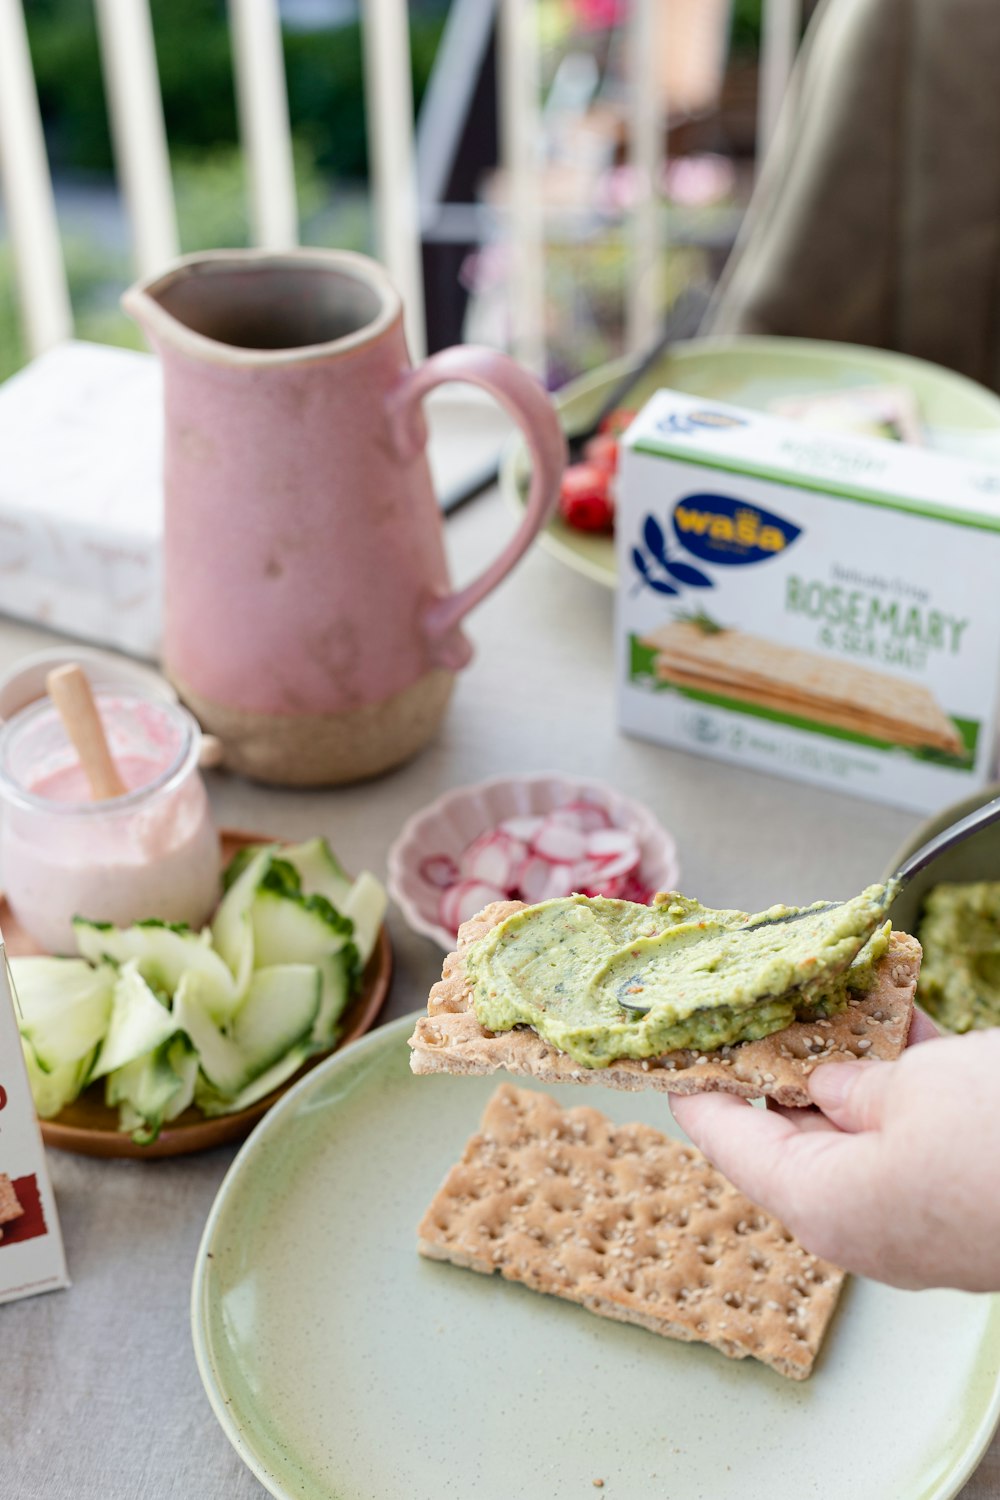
279	1011
232	931
365	905
295	929
138	1024
154	1089
319	870
64	1006
337	973
237	865
363	900
212	1103
163	953
219	1058
281	1005
52	1091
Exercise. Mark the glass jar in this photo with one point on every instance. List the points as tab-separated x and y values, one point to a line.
152	852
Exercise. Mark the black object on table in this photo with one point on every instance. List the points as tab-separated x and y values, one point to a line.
682	321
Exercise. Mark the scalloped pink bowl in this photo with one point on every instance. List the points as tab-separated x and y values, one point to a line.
449	825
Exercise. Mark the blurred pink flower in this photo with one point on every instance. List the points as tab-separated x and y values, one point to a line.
599	15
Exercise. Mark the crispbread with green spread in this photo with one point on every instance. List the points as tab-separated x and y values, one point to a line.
633	1226
871	1020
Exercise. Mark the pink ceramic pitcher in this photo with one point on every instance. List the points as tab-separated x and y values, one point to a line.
308	618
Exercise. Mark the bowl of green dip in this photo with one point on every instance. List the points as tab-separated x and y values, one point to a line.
953	907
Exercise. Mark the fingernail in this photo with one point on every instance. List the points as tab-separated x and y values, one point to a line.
830	1085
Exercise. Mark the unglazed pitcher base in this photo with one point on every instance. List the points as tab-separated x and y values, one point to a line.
325	749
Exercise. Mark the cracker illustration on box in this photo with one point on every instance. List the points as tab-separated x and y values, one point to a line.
748	668
632	1226
10	1205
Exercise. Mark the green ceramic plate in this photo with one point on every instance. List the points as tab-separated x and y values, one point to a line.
958	415
342	1365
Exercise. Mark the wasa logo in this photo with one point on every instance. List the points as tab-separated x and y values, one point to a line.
719	529
695	421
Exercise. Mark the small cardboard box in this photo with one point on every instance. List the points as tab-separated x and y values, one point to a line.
821	606
81	495
31	1249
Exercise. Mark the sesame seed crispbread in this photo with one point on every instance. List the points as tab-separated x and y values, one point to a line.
633	1226
449	1039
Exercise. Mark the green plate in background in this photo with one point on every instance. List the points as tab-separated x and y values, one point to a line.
958	416
341	1364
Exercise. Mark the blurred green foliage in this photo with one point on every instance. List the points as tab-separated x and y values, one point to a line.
745	37
95	280
324	69
325	76
210	193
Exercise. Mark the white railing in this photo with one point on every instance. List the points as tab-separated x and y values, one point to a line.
130	75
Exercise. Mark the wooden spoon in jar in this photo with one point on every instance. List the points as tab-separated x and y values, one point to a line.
70	691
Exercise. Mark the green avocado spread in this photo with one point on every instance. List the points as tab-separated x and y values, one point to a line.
603	979
960	973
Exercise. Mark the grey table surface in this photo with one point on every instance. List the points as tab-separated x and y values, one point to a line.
99	1395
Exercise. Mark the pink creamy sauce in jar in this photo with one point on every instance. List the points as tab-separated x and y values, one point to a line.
152	852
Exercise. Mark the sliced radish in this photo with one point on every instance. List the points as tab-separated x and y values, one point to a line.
439	870
464	900
611	869
523	827
559	842
493	858
541	880
613	888
587	816
611	843
573	849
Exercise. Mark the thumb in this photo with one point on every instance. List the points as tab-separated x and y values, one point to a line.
852	1095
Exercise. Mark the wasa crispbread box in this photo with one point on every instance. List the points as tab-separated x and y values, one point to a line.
816	605
31	1248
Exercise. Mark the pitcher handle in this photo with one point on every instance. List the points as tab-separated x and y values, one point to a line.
525	399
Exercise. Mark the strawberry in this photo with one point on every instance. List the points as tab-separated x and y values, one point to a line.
602	450
616	422
585	498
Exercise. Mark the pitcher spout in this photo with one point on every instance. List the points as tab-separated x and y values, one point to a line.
262	307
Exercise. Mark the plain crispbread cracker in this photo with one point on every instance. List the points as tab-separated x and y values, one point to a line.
633	1226
874	725
820	684
449	1039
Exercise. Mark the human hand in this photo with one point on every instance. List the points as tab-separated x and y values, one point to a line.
897	1179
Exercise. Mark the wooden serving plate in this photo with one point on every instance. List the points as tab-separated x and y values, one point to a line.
90	1128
